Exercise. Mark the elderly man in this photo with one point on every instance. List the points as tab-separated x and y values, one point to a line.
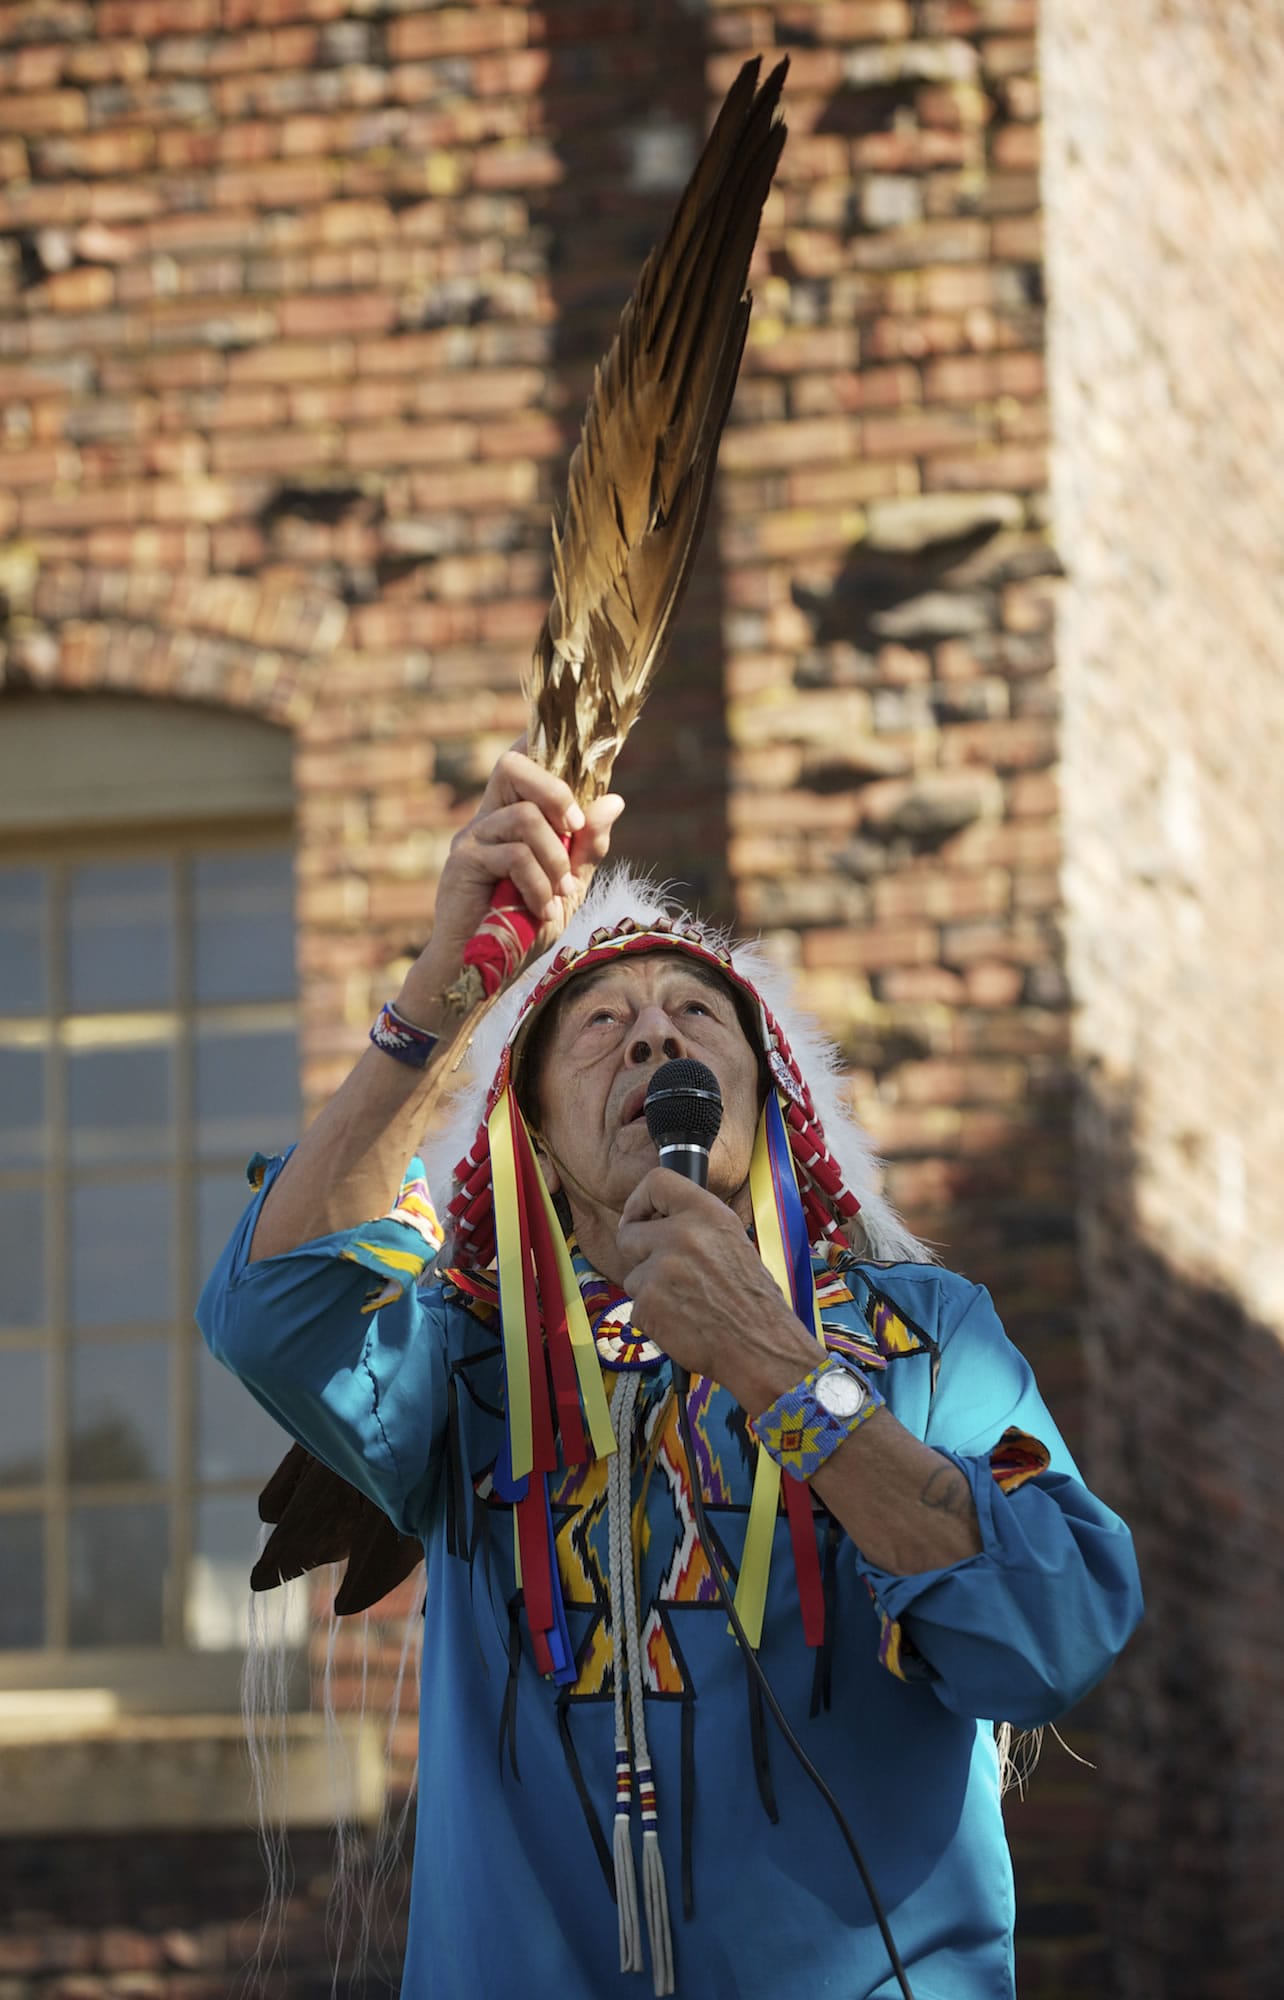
912	1550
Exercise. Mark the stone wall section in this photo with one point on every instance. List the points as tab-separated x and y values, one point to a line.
1166	253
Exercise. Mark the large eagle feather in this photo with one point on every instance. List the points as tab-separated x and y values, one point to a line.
641	476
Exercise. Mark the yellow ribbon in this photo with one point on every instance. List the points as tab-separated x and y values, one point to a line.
764	1504
588	1368
510	1257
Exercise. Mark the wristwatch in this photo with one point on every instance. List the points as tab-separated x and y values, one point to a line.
802	1428
839	1388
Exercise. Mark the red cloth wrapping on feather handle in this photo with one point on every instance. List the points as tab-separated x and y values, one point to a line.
504	936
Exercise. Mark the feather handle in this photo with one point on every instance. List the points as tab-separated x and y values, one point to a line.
497	948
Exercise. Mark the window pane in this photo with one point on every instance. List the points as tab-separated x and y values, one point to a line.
247	1093
119	1558
22	1107
23	1429
243	907
235	1438
22	1565
225	1540
122	1105
24	899
120	936
122	1253
22	1258
220	1201
119	1410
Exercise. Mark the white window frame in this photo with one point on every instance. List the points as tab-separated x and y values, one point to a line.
111	777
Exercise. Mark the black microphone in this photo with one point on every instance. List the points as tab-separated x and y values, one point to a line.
683	1112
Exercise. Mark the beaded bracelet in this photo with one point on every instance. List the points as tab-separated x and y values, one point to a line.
806	1425
401	1039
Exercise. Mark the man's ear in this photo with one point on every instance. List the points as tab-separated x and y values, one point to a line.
552	1179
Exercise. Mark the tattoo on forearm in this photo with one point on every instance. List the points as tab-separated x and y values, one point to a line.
948	1492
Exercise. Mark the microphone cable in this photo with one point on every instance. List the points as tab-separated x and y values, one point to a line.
681	1382
683	1114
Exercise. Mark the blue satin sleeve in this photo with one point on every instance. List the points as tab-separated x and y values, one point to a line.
1025	1628
339	1345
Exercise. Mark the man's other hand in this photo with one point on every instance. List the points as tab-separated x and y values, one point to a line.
700	1289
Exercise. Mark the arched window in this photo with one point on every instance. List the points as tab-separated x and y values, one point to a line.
147	1044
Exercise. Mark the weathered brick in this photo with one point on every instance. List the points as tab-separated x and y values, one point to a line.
410	444
1020	469
38	111
123	150
946	247
457	31
851	485
872	948
920	433
786	444
944	895
105	61
980	377
323	317
45	465
148	19
1009	55
272	183
1018	238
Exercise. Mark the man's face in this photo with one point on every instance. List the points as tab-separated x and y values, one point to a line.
614	1029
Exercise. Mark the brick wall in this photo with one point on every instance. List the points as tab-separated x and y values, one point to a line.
1168	345
299	303
171	1919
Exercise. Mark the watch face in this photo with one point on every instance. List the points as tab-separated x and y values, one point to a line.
840	1392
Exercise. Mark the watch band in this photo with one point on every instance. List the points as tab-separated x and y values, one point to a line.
800	1432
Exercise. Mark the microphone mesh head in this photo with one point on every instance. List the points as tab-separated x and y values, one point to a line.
684	1104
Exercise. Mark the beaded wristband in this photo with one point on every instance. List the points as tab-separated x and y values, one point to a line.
401	1038
798	1430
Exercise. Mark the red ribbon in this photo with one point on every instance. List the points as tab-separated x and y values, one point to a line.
561	1361
543	1443
802	1533
537	1581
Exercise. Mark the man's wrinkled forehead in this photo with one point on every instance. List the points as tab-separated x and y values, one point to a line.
535	1042
585	984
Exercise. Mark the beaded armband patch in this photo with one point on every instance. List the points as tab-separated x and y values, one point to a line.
401	1038
800	1432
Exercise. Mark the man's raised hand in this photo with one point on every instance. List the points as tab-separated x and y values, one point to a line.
521	831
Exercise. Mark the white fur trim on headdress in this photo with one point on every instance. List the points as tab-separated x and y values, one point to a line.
617	896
